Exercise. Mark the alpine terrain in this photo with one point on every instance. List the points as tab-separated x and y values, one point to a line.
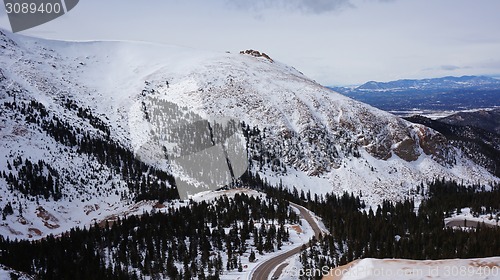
76	115
475	133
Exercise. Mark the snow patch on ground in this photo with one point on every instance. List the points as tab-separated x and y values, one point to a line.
466	216
397	269
8	274
212	195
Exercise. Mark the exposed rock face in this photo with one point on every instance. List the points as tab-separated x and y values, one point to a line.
482	146
256	54
435	144
407	150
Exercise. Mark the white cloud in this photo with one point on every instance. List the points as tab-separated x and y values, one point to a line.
308	6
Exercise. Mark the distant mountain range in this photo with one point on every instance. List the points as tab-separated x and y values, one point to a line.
447	93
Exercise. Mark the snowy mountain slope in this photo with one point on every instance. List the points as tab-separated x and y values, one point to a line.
41	117
315	131
8	274
473	134
387	269
57	95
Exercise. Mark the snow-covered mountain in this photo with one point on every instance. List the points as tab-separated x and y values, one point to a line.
75	115
475	133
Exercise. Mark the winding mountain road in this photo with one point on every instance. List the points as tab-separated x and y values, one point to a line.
263	271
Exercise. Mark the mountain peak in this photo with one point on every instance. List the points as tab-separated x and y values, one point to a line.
80	110
256	54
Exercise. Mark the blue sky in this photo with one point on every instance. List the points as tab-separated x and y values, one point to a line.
335	42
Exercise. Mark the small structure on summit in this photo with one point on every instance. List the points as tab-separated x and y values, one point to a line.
257	54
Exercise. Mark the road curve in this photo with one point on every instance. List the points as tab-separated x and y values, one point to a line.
263	271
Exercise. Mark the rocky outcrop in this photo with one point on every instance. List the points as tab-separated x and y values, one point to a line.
257	54
407	150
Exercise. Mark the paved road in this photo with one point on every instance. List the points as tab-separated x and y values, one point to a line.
279	270
264	270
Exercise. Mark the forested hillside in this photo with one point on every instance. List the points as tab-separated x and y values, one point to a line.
478	143
205	240
183	242
404	231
